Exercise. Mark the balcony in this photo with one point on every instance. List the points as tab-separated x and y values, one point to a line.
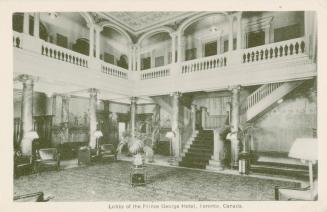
275	62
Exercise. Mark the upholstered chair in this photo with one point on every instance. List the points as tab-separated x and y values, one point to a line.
49	157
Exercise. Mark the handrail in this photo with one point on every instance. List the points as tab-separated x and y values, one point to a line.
113	70
158	72
274	50
63	54
206	63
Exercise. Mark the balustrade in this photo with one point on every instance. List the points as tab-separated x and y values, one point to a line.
114	70
203	64
275	50
155	73
63	54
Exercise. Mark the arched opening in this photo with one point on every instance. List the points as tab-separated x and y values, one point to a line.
114	47
155	50
18	25
68	30
206	36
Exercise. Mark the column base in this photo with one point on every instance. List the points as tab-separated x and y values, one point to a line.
215	165
173	161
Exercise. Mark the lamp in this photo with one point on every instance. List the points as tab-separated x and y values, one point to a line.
170	135
97	134
305	149
31	135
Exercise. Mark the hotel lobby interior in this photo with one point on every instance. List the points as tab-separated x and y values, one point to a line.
165	106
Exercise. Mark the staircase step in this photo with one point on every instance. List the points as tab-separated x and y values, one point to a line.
200	151
202	146
199	154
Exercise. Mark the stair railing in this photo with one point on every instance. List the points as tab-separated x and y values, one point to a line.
258	95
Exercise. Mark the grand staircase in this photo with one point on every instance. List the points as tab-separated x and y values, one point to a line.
200	151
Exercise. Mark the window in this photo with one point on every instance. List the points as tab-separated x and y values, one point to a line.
109	58
256	39
234	44
159	61
226	45
145	63
288	32
190	54
62	40
210	49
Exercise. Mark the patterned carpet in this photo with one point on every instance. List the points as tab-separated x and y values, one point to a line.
110	182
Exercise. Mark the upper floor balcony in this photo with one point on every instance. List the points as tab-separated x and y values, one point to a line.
289	59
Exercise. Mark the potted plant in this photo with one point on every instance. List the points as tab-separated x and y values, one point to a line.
137	145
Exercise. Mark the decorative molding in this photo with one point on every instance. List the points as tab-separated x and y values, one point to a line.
256	24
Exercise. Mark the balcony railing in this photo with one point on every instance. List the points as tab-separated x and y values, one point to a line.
203	64
153	73
271	52
63	54
113	70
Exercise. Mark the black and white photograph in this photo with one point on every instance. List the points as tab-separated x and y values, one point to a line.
164	109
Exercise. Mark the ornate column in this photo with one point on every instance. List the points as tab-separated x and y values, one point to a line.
218	152
26	24
36	25
93	116
230	37
130	55
134	57
203	116
193	110
239	31
91	49
235	125
98	29
176	141
179	47
26	113
65	117
133	115
138	50
173	47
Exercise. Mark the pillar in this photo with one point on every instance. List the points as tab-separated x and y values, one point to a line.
193	112
91	50
218	152
230	37
239	31
26	113
176	141
203	117
138	50
173	47
92	115
36	25
179	47
65	117
134	57
267	35
26	24
97	39
133	116
130	55
235	119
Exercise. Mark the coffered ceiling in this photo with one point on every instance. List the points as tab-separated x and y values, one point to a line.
138	22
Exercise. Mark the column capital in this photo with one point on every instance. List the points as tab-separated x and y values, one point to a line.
28	79
93	91
234	87
98	28
173	34
90	25
202	108
133	99
177	93
193	106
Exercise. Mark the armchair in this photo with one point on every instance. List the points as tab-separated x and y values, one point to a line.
307	193
108	151
22	164
47	157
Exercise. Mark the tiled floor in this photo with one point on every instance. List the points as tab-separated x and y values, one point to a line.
111	182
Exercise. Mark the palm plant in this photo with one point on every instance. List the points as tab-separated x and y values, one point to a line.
137	144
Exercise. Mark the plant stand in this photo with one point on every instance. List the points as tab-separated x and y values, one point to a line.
138	176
